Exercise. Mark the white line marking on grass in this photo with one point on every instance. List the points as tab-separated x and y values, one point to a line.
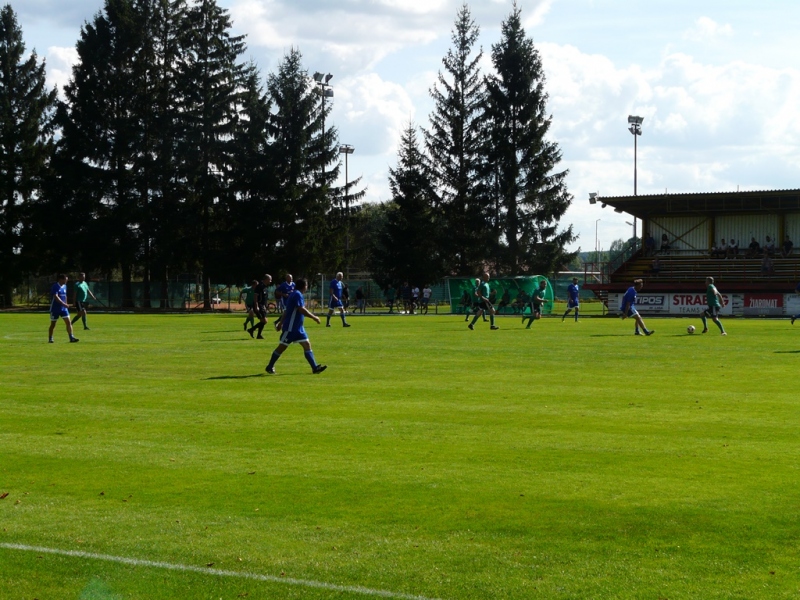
356	589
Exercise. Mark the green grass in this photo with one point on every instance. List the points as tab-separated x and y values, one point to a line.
568	461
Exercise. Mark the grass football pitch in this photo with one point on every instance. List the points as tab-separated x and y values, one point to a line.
156	459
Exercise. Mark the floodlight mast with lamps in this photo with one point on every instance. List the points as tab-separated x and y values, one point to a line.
346	149
636	129
325	91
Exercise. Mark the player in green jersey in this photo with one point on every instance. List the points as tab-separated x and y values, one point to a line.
537	301
82	293
483	304
715	303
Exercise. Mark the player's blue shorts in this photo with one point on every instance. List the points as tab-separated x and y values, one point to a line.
631	312
573	303
59	312
290	337
335	304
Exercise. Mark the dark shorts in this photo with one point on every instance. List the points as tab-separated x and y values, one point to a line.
536	309
712	311
80	305
484	305
333	303
249	307
573	304
632	312
261	312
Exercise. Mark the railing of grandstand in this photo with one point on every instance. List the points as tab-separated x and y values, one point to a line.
631	247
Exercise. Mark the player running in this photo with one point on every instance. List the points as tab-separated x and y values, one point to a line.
59	309
291	325
337	288
537	300
715	303
628	308
483	305
284	289
261	298
573	302
246	296
82	293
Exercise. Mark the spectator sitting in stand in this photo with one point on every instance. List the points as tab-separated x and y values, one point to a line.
719	251
754	249
655	266
665	246
733	249
769	247
787	247
649	245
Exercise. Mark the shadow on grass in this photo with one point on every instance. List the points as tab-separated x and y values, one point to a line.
612	335
236	376
787	351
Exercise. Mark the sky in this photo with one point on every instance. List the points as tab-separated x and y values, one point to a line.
717	83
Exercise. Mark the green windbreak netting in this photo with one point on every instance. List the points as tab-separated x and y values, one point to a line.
510	295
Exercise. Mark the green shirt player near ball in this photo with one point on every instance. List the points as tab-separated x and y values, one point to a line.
483	304
715	303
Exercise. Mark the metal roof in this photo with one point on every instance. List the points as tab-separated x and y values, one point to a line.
706	203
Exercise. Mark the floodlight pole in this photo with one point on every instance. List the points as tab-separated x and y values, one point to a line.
325	91
636	129
346	149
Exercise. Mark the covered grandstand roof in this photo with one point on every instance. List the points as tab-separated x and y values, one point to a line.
644	206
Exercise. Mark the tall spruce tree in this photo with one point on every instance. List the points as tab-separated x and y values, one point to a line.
456	150
529	197
211	82
26	142
403	251
101	146
304	154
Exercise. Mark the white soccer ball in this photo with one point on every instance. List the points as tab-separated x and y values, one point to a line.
690	329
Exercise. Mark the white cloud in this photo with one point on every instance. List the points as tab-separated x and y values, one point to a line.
59	65
705	29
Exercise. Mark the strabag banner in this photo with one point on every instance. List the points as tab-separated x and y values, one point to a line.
676	304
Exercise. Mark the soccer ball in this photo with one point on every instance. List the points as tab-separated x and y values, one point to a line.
690	329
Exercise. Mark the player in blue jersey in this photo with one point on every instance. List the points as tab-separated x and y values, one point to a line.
290	324
573	302
284	289
337	289
628	307
796	291
59	309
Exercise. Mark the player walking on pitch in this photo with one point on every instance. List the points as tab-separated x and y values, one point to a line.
715	303
337	288
796	291
246	295
82	293
482	293
537	300
261	299
59	309
573	302
291	325
628	308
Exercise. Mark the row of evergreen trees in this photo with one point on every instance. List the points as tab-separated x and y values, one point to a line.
481	191
168	155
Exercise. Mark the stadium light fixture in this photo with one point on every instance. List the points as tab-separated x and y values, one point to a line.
325	91
347	150
592	197
635	128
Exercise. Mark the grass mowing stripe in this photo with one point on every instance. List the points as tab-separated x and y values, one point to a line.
138	562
